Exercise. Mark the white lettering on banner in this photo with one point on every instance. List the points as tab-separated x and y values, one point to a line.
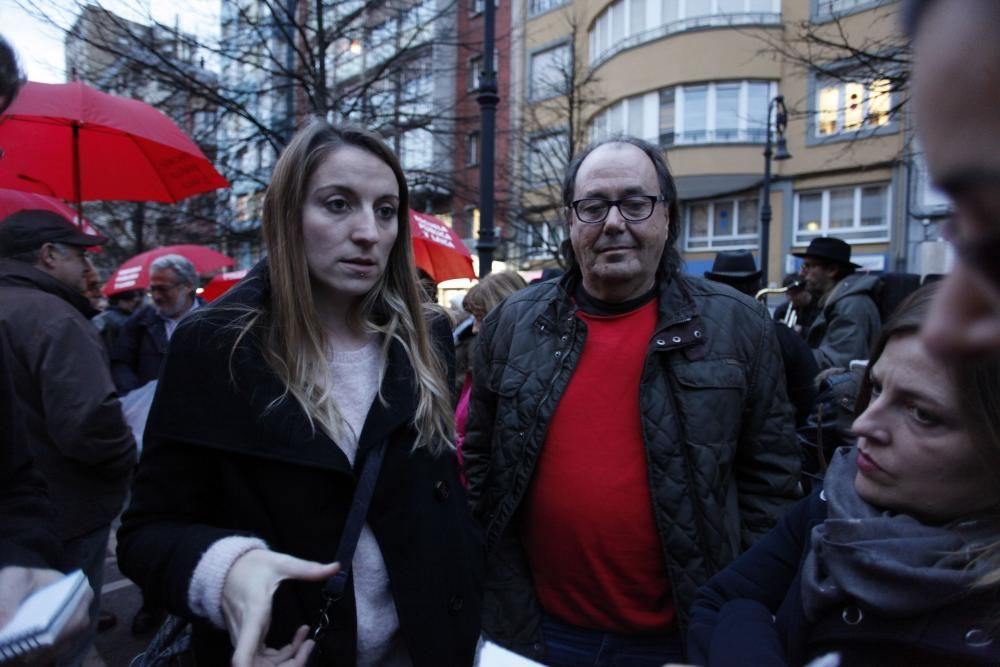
127	277
435	232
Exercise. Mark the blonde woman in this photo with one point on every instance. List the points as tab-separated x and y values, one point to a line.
268	406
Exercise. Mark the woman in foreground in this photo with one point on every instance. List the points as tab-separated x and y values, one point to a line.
895	560
270	402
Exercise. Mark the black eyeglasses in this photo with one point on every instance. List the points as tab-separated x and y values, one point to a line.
634	208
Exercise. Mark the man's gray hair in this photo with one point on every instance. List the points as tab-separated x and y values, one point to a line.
181	265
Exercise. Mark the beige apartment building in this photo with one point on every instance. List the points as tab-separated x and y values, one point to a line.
697	77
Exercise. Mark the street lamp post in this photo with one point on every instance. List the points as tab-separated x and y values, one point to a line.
780	153
488	99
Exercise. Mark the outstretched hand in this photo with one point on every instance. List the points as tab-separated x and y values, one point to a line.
246	606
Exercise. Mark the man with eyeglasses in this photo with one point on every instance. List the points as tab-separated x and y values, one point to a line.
72	420
956	75
141	346
629	433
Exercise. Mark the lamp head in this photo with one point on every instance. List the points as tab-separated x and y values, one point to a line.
781	149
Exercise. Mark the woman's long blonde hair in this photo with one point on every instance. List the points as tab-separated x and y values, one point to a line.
288	326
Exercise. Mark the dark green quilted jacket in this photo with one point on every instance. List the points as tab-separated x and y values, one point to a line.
720	444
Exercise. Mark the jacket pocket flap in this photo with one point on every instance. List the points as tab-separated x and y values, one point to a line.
717	374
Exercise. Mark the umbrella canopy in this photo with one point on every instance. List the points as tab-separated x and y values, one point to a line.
133	274
12	201
221	284
438	250
71	141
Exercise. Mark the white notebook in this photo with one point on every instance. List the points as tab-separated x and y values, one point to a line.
41	616
489	654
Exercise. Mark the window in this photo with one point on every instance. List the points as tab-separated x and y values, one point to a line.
476	69
537	7
725	112
416	149
857	214
827	8
470	222
667	117
721	224
472	148
550	71
479	6
695	118
627	23
546	160
844	107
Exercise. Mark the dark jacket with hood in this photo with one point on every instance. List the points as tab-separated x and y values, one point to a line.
225	454
72	419
720	445
847	323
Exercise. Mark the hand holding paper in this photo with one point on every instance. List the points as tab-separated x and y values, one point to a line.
40	609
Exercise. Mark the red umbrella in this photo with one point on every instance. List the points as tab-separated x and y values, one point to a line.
12	201
71	141
221	284
134	273
438	250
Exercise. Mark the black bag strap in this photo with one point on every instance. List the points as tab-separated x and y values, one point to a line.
333	590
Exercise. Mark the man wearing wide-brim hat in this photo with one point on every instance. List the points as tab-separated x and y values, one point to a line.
848	319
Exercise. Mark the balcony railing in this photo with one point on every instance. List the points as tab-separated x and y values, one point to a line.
683	25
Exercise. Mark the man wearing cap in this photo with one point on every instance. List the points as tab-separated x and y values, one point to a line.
848	318
73	421
738	269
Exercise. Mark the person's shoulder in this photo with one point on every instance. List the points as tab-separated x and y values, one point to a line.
142	316
438	323
533	296
213	327
716	295
858	284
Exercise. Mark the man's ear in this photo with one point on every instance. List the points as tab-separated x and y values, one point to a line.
47	254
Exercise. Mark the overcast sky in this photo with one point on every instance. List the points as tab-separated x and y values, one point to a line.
40	44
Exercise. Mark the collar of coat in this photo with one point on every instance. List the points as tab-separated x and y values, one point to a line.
212	394
678	322
21	274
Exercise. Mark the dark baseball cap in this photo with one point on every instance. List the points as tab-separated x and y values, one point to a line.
28	230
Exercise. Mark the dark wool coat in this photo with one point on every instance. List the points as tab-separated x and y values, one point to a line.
72	420
752	614
719	433
139	350
27	518
222	459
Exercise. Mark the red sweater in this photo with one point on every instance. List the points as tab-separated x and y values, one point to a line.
589	529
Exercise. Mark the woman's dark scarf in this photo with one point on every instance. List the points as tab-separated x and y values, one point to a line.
889	562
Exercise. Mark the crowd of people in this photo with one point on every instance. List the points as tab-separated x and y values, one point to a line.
643	472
